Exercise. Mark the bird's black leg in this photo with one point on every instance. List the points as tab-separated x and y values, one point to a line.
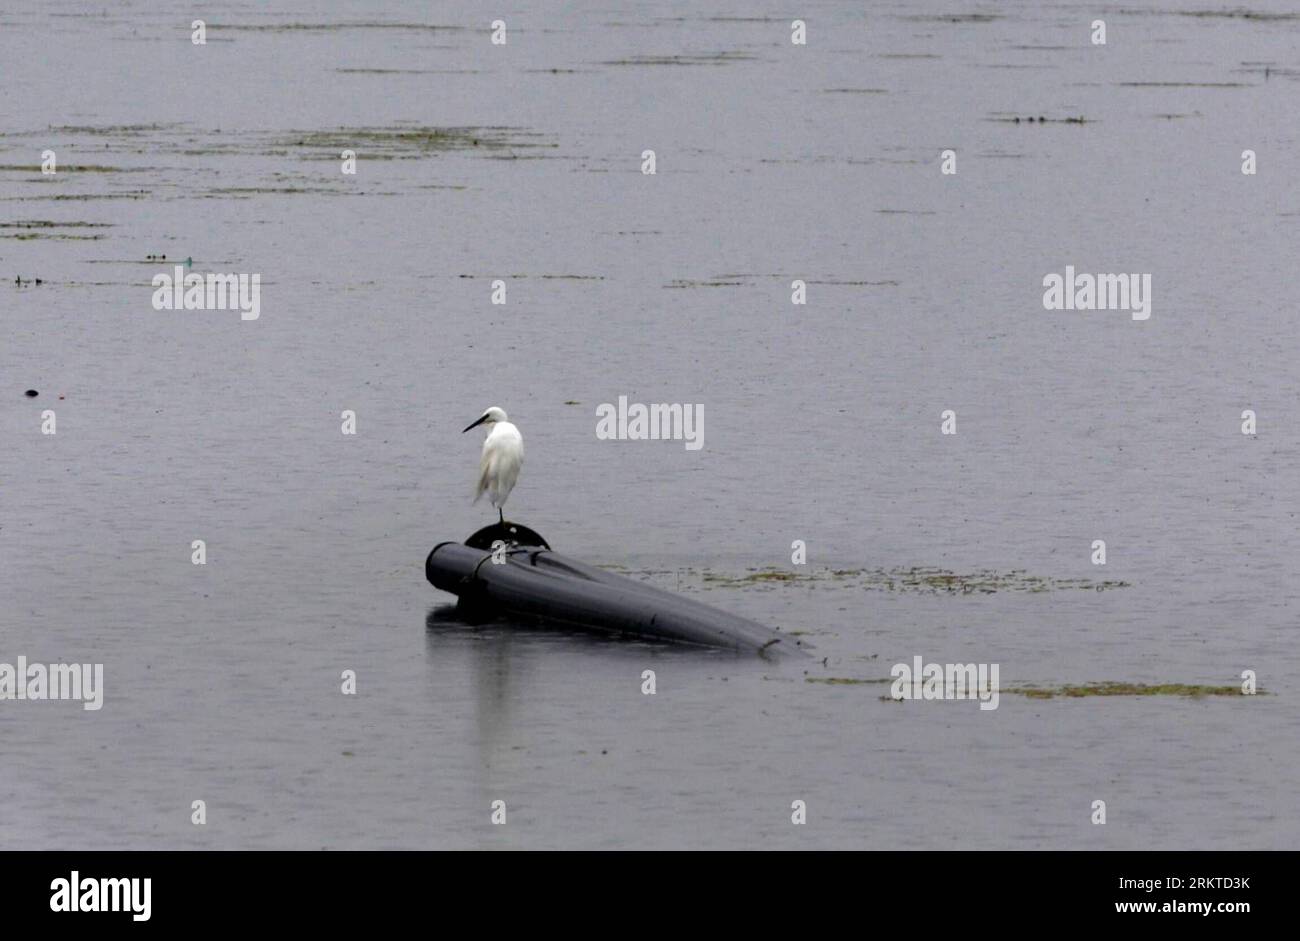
501	516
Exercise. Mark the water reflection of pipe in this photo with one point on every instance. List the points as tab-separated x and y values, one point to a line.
493	667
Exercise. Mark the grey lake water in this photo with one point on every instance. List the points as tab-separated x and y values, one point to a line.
822	422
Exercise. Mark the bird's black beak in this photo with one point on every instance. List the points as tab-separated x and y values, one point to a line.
476	424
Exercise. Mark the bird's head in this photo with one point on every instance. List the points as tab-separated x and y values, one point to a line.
490	417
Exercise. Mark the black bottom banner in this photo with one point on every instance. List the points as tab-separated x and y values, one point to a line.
329	890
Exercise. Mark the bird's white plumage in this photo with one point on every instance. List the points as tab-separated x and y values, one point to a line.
503	456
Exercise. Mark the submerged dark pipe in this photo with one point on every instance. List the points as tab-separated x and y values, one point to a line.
542	583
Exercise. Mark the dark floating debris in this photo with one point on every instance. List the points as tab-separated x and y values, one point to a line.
508	568
31	393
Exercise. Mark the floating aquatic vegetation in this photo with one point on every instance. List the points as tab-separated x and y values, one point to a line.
1184	85
775	575
1237	14
402	142
681	283
953	17
714	58
152	260
53	236
915	580
407	71
391	142
75	197
1080	691
51	224
104	130
541	277
1195	691
748	280
280	190
330	27
72	168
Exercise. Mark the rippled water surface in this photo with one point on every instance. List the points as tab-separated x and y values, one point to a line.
775	162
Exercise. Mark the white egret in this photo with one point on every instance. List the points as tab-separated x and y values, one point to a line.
503	455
